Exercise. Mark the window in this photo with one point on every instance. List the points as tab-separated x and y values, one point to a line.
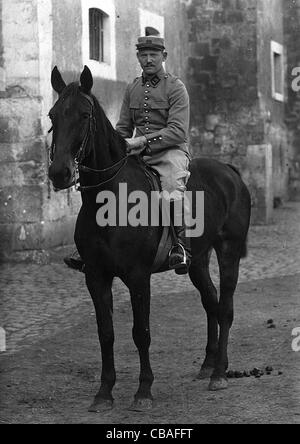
99	37
277	71
96	25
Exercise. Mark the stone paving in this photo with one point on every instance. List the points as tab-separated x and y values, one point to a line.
38	301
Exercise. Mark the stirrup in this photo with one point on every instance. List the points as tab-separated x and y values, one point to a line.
182	267
183	263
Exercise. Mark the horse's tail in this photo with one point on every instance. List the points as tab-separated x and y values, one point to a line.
234	169
244	251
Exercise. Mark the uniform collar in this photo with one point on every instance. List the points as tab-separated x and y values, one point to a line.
155	79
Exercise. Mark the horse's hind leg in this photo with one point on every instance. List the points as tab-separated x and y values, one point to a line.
139	288
100	290
228	253
199	274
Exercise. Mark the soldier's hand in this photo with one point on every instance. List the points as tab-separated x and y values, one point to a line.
136	145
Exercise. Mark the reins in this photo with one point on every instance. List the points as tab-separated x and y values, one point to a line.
81	154
99	185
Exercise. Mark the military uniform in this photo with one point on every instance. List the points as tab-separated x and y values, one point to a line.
156	112
158	108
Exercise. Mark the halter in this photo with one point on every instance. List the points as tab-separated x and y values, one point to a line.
81	154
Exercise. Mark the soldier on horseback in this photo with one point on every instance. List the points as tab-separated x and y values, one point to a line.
154	120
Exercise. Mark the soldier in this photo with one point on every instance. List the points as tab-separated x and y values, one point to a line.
156	108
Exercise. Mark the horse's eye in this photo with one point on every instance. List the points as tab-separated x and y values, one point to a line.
85	116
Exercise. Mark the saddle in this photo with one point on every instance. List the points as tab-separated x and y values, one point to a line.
161	261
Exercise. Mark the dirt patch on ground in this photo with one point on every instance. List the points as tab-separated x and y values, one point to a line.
55	380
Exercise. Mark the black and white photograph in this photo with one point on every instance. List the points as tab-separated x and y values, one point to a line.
149	214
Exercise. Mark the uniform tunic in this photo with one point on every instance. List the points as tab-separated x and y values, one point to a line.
158	108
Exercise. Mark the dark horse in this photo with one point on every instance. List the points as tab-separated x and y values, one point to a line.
85	141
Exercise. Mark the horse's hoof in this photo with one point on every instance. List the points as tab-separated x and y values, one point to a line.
205	373
101	406
141	405
218	384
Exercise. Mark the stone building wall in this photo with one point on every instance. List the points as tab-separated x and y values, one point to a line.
292	39
29	221
272	112
222	78
229	78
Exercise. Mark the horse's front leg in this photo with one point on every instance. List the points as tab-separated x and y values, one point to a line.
139	287
100	290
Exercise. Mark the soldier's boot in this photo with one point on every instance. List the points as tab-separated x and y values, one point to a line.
75	262
180	254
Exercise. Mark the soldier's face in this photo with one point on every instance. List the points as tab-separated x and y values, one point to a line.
151	60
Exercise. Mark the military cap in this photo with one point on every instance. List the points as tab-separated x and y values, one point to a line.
151	42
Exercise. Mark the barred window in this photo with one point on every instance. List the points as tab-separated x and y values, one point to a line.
96	23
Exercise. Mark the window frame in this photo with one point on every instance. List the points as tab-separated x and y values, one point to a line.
107	68
277	49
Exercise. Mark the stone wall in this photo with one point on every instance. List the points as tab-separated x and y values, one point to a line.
29	221
229	80
292	39
222	79
272	112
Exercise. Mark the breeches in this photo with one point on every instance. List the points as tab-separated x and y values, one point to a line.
172	166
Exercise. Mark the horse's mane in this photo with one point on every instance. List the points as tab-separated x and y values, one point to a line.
104	127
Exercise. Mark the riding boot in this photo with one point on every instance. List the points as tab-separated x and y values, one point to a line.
75	262
180	254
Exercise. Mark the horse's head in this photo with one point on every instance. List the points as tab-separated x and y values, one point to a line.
72	121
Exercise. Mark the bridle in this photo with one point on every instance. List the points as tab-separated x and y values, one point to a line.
82	153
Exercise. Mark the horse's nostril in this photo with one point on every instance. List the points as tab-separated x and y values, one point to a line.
60	176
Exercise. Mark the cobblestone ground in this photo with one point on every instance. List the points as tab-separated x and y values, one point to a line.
38	301
51	370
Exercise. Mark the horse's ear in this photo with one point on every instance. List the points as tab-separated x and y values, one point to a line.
57	81
86	80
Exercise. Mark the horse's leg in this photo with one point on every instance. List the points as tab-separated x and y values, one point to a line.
200	277
140	299
100	290
228	253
